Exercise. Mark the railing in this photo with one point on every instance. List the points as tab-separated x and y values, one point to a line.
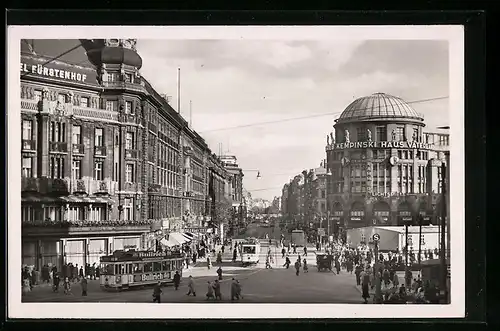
79	186
53	185
60	147
102	187
28	104
78	149
152	127
95	113
29	145
131	153
100	150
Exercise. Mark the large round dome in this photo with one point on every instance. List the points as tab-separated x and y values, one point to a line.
378	106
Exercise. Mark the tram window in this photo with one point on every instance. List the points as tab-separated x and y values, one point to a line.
119	269
249	249
107	269
156	266
164	265
148	267
138	268
128	268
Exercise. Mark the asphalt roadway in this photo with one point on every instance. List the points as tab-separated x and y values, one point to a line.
259	285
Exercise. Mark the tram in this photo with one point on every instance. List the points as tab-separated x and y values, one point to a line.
250	251
126	269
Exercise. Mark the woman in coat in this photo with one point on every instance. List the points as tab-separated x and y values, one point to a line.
83	284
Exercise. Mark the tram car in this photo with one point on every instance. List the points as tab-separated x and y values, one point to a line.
126	269
250	251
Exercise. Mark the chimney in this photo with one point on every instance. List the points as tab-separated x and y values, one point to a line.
166	97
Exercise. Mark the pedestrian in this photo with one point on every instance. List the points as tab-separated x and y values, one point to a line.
294	249
297	268
219	257
305	250
209	261
191	289
81	273
56	280
235	254
357	272
210	291
234	290
67	286
157	292
337	266
83	284
306	268
222	249
218	294
365	285
93	271
219	273
177	280
287	262
283	251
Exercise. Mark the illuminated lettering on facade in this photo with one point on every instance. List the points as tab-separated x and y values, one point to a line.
51	72
380	144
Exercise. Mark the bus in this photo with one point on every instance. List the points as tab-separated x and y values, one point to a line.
298	238
126	269
250	251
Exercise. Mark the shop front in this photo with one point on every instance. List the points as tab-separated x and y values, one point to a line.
405	216
356	215
381	213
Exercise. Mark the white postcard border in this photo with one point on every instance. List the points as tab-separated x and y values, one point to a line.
455	36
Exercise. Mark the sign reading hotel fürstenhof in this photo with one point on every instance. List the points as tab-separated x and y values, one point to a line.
41	70
381	144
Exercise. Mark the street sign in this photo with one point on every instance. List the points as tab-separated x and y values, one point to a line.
376	237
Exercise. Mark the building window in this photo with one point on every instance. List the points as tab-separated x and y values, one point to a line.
400	133
52	213
76	169
416	136
129	173
56	167
27	170
77	134
57	131
28	214
444	140
323	194
381	133
97	214
128	78
99	170
38	95
361	134
111	105
115	172
84	102
99	137
112	77
27	130
129	141
128	208
128	107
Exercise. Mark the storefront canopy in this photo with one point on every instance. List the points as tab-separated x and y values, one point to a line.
178	237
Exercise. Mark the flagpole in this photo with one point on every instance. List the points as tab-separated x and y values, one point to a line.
179	90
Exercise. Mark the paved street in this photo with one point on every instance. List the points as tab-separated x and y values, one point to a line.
259	284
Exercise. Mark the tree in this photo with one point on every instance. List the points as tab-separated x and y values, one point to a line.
221	211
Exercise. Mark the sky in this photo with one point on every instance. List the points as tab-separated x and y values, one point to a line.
243	82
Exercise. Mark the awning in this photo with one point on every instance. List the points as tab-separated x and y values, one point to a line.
178	237
169	243
77	199
39	199
190	235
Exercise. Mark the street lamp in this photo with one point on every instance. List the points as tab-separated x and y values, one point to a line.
252	170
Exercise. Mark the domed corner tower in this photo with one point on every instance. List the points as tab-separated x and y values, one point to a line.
116	60
377	158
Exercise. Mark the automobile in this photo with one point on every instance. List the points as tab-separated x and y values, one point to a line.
324	261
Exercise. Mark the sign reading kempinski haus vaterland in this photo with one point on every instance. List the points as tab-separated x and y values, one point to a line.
381	144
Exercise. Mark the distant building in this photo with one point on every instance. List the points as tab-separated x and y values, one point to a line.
385	168
235	185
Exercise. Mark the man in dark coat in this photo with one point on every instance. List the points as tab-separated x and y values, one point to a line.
177	280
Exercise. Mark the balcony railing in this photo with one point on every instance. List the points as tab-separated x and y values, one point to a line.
60	147
95	113
100	151
29	104
29	145
152	127
79	186
78	149
102	187
131	153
